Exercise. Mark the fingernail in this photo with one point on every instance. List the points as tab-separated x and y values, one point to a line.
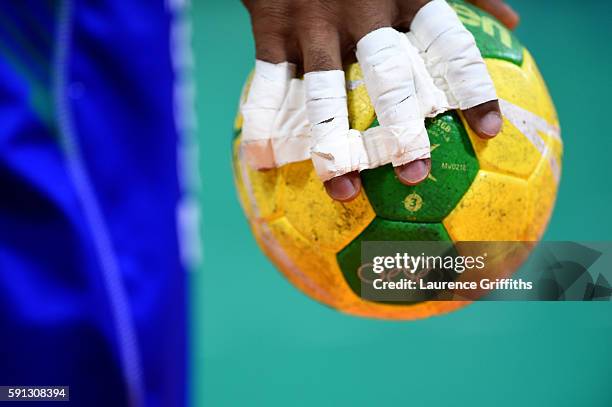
491	124
414	172
340	188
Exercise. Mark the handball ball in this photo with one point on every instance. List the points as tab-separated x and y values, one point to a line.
502	189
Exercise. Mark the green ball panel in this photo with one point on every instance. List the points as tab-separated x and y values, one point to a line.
349	258
493	39
453	168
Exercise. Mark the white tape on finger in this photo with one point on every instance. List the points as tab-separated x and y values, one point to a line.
312	122
392	71
335	149
266	96
451	56
387	70
291	130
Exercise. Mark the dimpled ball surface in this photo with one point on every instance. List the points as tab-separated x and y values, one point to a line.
497	190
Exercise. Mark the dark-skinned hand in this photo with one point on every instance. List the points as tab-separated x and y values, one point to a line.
321	35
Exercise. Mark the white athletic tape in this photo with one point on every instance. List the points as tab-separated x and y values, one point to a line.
291	130
387	71
266	96
403	94
335	149
451	56
434	68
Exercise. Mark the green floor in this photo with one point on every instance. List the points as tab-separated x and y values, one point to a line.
258	341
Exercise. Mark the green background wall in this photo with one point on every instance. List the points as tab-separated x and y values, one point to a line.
258	341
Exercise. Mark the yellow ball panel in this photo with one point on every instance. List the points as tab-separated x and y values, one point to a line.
494	208
238	121
511	152
542	188
313	271
523	86
360	108
260	187
324	222
542	104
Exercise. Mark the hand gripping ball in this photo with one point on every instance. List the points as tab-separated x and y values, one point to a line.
497	190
